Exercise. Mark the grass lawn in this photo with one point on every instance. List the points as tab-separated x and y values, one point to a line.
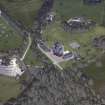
71	8
22	10
35	58
9	88
54	32
31	59
8	37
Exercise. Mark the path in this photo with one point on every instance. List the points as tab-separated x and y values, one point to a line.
53	60
27	49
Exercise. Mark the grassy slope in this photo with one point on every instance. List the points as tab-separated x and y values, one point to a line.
9	87
70	8
31	59
22	10
66	9
8	37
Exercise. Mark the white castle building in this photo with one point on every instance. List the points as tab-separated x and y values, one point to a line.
12	69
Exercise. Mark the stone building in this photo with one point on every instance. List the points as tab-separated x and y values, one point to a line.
58	49
10	67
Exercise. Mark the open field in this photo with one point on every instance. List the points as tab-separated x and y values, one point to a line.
71	8
8	37
36	58
9	88
22	10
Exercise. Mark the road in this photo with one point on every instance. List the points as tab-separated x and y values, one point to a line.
53	60
27	49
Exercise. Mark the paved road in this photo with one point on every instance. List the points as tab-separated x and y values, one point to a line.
53	60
